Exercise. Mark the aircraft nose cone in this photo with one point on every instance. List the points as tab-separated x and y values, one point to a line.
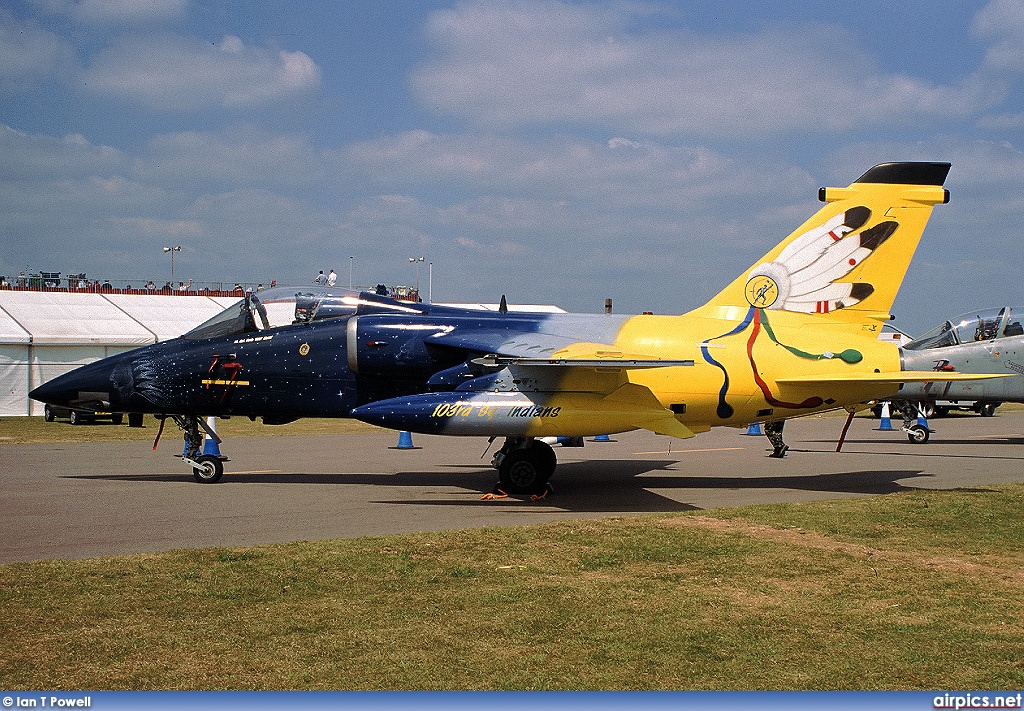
51	392
88	387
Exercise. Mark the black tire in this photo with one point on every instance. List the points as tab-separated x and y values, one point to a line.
927	409
210	471
117	418
521	472
545	457
77	418
135	419
48	415
918	434
941	410
988	409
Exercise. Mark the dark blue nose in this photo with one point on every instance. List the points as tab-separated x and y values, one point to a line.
91	387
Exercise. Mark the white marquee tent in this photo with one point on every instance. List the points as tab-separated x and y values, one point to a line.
46	334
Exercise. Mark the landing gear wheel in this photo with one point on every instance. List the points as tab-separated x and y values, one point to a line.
48	415
210	469
527	470
76	418
918	434
545	457
987	409
117	418
520	472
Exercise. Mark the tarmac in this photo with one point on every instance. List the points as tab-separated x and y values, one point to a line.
72	501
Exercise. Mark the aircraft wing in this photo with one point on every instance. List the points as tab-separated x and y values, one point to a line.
506	343
905	376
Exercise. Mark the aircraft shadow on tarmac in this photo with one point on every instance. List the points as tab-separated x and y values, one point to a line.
579	487
935	447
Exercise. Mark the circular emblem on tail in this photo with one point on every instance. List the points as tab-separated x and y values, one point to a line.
761	291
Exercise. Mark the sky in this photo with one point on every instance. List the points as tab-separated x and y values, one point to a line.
556	152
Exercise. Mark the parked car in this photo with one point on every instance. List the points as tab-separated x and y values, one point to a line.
79	417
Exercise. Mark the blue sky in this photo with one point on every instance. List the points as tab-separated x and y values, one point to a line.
556	152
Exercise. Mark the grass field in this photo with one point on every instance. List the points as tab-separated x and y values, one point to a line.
919	590
33	430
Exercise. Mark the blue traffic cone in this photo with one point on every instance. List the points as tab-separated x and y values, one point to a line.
602	438
404	440
921	419
210	445
886	423
754	428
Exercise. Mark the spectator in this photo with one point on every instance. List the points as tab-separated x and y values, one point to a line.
181	286
273	283
331	278
320	278
150	285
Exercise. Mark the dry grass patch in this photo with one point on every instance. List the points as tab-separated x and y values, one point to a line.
34	430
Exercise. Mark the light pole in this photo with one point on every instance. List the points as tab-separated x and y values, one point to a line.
172	250
430	283
351	260
418	261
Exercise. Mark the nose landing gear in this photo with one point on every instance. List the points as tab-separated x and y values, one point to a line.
206	468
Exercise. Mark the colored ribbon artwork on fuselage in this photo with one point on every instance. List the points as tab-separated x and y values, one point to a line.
757	320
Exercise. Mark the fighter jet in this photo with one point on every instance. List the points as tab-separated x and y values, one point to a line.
987	341
793	335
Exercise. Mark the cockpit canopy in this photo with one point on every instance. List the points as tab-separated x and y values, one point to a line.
284	306
978	326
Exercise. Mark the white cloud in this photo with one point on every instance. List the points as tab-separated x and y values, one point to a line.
618	172
239	156
173	73
533	62
30	157
28	52
1001	22
115	12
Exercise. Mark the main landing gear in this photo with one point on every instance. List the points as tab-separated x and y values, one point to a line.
524	465
773	431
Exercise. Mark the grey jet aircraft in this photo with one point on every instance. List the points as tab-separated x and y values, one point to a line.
988	341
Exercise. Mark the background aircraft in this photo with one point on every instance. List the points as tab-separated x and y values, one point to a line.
989	341
793	335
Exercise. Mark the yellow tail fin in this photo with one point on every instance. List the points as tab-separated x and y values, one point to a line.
847	262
